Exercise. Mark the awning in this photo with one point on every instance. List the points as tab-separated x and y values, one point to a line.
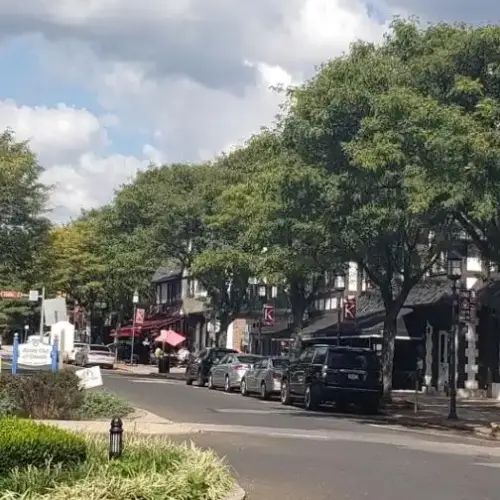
170	337
402	332
149	324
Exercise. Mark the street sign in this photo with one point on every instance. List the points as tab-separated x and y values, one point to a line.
10	294
33	296
90	377
139	316
35	353
54	310
350	309
268	315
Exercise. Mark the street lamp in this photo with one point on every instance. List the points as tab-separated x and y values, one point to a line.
339	285
262	299
135	301
26	332
454	272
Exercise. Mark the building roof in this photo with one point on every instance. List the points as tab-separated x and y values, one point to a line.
166	273
370	312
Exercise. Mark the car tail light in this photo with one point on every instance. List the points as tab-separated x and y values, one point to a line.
240	367
277	376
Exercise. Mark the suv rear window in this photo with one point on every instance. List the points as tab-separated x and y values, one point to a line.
352	360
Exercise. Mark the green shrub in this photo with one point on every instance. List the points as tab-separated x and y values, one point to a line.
151	468
43	395
103	404
25	443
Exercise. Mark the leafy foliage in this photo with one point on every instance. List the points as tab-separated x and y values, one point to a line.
24	443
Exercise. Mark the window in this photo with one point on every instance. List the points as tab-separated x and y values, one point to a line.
223	361
320	356
280	362
352	360
307	355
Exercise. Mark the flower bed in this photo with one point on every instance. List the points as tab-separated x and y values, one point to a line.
150	469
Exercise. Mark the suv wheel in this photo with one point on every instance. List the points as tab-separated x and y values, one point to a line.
200	380
286	398
227	384
243	388
311	400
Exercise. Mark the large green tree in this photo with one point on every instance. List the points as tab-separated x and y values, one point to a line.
377	137
458	67
23	224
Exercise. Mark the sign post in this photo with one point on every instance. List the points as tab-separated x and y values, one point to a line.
15	349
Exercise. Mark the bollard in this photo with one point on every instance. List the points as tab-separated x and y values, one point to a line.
116	439
15	352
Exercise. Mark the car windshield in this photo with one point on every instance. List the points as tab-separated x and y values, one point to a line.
280	362
352	360
248	359
99	348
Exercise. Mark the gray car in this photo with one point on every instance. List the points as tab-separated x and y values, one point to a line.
264	377
228	372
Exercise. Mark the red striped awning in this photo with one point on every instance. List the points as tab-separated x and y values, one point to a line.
149	324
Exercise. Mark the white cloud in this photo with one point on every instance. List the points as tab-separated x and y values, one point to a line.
62	137
187	77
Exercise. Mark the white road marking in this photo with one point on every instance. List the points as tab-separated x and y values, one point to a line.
152	381
243	411
486	464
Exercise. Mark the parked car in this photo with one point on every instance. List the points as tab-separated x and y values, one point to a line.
123	351
230	370
343	375
95	355
264	377
72	354
198	366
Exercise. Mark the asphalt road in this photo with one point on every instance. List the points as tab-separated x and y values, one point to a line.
288	454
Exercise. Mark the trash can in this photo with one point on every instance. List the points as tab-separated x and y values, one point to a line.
164	365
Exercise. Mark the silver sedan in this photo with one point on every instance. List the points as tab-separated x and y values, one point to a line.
229	371
264	377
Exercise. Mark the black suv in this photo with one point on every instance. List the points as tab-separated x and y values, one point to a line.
324	374
198	366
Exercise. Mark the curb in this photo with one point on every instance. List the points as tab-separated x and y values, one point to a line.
483	432
236	493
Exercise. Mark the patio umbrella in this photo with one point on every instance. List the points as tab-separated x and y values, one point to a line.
170	337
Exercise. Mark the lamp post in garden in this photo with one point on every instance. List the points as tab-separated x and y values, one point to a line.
454	272
339	285
135	301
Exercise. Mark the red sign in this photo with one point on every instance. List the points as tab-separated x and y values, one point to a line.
268	315
8	294
139	317
350	309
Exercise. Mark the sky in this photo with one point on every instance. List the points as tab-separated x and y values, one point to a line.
103	88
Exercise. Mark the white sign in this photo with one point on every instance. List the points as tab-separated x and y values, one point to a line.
33	296
90	377
35	353
55	310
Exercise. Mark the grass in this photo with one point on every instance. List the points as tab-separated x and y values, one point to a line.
103	405
152	468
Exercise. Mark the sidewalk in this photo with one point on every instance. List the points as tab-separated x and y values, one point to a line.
176	373
479	417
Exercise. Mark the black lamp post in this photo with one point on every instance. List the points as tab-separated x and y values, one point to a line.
454	272
339	285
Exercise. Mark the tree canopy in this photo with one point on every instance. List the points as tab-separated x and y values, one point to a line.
377	159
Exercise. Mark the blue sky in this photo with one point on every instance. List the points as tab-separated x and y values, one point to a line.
103	88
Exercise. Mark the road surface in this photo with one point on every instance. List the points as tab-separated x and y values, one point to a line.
288	454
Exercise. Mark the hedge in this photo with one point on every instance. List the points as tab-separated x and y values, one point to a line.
25	443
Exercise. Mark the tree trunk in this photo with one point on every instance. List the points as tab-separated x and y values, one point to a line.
388	347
